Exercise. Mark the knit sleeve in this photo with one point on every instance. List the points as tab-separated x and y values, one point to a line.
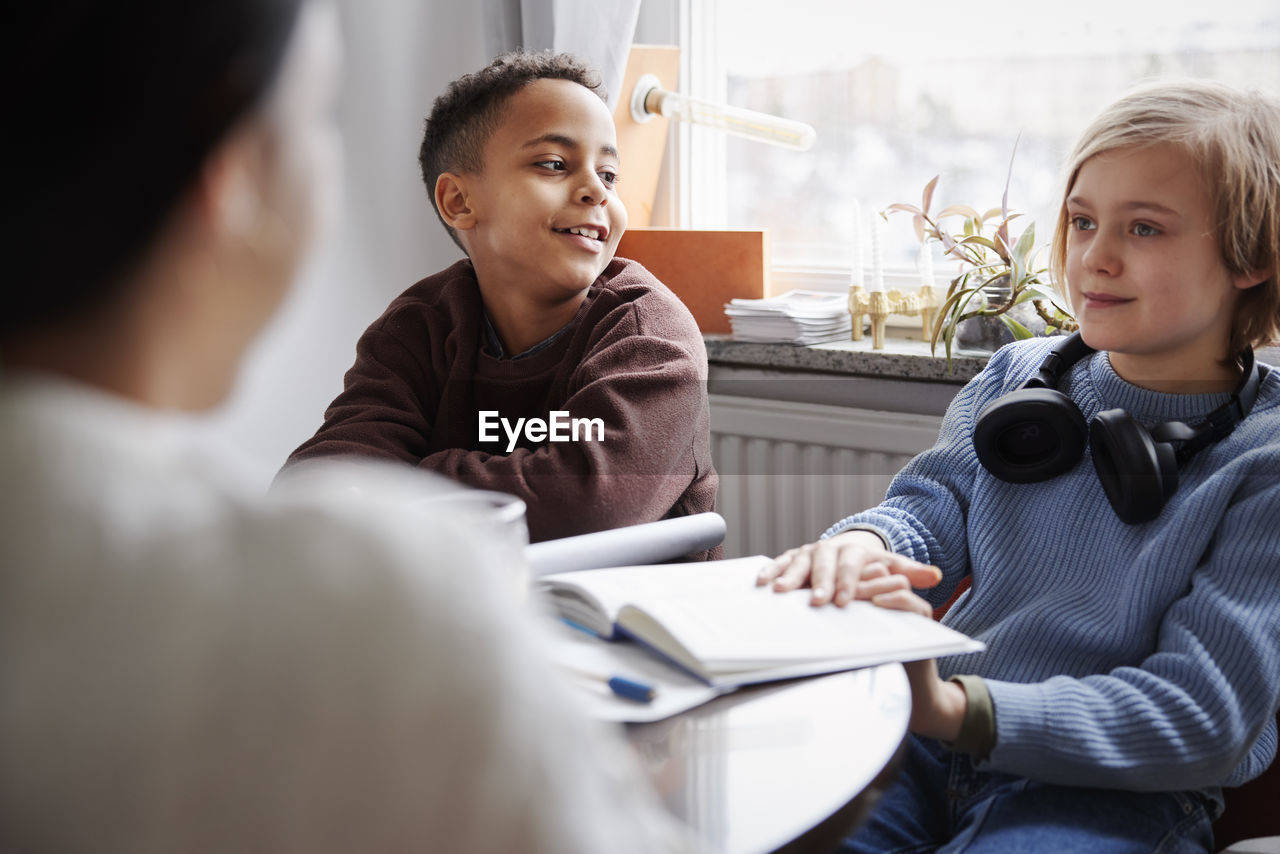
1197	711
645	387
386	406
926	507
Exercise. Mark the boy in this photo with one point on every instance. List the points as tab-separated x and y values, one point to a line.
1127	592
541	365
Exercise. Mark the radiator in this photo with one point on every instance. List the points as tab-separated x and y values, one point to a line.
788	470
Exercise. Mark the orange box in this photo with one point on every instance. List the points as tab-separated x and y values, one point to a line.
705	268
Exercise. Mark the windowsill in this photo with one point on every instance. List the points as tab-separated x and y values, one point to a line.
901	359
903	377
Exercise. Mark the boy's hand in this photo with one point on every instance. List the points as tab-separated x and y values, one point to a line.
854	565
937	707
848	566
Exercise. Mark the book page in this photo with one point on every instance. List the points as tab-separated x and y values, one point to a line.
607	590
759	629
714	620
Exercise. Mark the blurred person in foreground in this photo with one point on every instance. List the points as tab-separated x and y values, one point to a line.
185	663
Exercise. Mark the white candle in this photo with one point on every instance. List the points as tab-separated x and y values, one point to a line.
877	253
926	265
855	278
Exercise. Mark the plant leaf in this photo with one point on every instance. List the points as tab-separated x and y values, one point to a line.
927	198
981	241
1019	331
952	303
956	307
1004	200
1026	242
899	206
964	210
1039	290
918	222
948	242
1001	241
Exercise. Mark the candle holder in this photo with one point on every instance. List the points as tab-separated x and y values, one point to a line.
878	305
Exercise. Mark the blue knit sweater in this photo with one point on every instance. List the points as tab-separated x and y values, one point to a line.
1140	657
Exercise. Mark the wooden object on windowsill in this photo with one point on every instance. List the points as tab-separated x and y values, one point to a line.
704	268
878	305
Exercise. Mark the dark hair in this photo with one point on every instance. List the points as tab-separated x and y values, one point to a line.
111	110
467	114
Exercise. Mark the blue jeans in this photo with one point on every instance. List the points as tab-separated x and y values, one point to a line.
940	803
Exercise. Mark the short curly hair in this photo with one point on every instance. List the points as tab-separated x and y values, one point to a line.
464	118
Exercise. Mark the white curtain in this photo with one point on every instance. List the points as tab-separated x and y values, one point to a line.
600	33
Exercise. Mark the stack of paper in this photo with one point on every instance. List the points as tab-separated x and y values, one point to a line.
796	317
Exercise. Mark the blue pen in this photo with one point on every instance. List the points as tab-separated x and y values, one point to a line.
627	689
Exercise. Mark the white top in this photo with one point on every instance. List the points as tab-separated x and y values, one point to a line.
187	665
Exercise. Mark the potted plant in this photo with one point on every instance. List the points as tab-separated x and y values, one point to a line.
1002	293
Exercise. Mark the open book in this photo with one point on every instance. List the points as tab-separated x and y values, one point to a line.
714	623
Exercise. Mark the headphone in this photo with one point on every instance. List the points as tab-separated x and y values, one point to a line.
1036	433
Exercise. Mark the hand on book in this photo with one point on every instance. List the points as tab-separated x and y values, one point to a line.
713	622
849	566
855	565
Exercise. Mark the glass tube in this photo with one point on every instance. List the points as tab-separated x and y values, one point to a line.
650	99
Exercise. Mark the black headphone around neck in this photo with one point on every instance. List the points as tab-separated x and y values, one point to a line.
1036	433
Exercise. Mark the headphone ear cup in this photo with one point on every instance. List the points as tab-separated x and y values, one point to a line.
1137	474
1030	435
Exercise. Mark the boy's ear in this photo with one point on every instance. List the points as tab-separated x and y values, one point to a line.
454	202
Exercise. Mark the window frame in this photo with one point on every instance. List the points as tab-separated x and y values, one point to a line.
701	164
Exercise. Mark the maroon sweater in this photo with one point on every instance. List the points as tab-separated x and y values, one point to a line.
631	357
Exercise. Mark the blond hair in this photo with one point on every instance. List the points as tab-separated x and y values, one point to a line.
1234	136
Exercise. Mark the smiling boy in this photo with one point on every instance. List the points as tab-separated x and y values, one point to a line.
539	325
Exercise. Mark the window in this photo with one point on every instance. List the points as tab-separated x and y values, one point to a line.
901	92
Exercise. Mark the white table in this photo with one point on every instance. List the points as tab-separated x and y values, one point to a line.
789	766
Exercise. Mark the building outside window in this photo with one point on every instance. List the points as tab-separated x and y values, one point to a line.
901	92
